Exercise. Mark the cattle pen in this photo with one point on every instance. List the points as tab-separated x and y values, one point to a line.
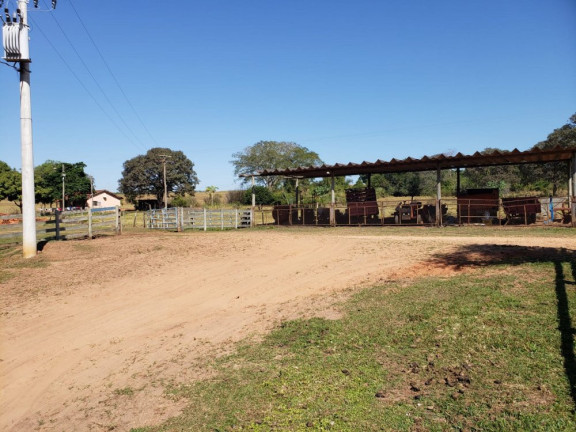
475	206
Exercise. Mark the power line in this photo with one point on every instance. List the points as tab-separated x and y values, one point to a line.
96	81
112	74
81	83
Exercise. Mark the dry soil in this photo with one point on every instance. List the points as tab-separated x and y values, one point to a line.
94	331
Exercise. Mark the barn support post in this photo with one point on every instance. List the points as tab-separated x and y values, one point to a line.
332	202
438	196
572	183
457	193
297	200
297	192
253	203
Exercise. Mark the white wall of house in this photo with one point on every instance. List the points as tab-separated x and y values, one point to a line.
103	199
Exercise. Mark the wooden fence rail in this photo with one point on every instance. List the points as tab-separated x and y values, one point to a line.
64	225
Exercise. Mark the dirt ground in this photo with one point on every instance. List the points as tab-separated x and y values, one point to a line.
94	334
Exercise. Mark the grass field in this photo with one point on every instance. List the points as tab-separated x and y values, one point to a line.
490	350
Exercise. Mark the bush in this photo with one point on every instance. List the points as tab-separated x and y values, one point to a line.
263	196
181	201
236	197
215	200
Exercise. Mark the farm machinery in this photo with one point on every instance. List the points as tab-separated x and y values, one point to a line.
483	205
361	205
522	209
414	212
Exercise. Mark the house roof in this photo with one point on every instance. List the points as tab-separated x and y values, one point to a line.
426	163
107	192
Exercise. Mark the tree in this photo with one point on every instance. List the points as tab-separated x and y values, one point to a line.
553	173
272	155
396	184
506	178
211	190
262	195
144	174
10	185
48	182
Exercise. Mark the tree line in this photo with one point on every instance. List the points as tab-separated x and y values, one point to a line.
542	179
48	179
162	168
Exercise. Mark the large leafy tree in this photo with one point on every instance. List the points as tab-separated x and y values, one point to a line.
396	184
272	155
48	179
10	185
144	174
504	177
552	175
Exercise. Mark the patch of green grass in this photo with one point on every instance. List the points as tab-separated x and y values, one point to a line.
11	260
481	351
126	391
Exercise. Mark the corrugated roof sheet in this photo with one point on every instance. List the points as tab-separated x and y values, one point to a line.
427	163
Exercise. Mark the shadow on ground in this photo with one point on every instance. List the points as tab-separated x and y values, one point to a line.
489	255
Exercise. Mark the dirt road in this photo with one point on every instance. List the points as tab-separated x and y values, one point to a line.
94	332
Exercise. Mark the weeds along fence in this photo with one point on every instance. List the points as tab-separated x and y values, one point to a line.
64	225
179	219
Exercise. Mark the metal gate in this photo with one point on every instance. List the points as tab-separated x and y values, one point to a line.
216	219
178	219
162	218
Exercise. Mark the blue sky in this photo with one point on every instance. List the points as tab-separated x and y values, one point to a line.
351	80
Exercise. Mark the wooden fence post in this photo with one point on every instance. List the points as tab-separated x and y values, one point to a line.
57	220
89	223
118	221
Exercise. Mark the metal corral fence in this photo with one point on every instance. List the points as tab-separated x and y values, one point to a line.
179	219
351	214
64	225
454	211
423	211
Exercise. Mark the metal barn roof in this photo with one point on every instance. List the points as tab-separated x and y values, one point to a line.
427	163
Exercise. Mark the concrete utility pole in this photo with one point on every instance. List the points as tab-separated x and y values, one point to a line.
164	157
16	49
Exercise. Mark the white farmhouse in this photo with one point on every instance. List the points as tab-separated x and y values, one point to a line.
104	198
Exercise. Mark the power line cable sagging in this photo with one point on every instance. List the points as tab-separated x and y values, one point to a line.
127	99
133	136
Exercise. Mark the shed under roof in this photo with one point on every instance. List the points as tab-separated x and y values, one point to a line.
427	163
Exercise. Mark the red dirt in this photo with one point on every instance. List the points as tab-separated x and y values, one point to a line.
91	340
